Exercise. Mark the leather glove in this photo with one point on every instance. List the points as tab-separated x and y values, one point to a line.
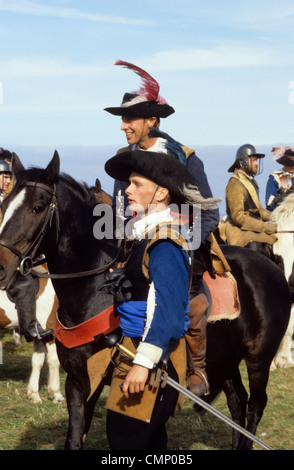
117	284
270	228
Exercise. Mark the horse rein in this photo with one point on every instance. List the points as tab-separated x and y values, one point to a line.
285	231
26	264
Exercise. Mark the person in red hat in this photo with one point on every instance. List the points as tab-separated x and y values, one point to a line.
141	112
281	182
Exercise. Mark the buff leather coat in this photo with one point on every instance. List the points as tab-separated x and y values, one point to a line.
246	216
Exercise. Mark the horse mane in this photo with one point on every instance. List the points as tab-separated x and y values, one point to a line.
285	210
82	190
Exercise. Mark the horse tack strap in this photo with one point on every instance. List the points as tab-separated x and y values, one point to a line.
105	322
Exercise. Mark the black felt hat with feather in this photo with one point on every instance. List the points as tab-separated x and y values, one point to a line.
146	102
164	170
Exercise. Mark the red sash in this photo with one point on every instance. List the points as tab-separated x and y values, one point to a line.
104	322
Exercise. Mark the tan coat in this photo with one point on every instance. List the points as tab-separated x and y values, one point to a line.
246	216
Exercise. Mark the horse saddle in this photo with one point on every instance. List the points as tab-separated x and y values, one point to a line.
222	296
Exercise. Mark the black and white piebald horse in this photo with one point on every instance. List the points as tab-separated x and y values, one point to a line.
283	255
58	212
46	308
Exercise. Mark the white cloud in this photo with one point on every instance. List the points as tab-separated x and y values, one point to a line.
31	8
45	107
47	67
226	56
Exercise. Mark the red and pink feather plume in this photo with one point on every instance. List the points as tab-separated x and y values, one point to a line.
280	151
150	87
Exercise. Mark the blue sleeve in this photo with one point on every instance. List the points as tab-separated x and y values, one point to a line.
209	218
271	193
169	272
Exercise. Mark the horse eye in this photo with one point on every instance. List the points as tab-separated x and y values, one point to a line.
38	209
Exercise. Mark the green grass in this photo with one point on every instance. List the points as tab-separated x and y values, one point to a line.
25	426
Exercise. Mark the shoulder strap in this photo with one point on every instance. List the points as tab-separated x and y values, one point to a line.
249	186
187	151
168	231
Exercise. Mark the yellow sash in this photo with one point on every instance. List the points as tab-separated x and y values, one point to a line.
241	176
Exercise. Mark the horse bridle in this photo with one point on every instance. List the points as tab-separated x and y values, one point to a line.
26	264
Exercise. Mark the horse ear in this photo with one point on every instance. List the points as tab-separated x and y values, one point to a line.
97	185
53	168
17	166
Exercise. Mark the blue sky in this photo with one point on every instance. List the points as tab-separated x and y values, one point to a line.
225	66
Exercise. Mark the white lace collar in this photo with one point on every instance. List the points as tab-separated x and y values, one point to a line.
159	146
142	226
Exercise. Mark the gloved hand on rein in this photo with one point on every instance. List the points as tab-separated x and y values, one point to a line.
117	284
270	228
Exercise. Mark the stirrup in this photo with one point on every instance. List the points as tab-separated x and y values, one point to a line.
36	333
204	380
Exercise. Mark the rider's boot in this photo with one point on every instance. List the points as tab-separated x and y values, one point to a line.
196	339
23	294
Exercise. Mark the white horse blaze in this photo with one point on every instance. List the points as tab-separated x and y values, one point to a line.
12	207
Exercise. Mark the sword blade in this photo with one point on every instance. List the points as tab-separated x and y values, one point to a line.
172	383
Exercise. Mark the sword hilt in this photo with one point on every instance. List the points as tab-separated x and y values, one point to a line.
112	341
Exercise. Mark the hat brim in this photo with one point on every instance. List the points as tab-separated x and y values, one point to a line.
146	109
160	168
285	161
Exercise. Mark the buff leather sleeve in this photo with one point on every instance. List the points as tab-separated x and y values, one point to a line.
235	197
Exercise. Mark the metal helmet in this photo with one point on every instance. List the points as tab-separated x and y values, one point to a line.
242	157
4	167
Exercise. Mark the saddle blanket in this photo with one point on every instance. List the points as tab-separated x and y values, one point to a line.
223	297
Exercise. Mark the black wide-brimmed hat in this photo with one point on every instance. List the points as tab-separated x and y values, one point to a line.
162	169
285	154
146	102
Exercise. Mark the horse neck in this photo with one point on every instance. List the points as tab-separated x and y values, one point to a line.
78	250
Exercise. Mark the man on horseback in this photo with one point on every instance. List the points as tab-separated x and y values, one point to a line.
155	320
281	182
248	223
141	112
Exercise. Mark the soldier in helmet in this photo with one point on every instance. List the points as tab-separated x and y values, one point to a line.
248	222
5	178
281	182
